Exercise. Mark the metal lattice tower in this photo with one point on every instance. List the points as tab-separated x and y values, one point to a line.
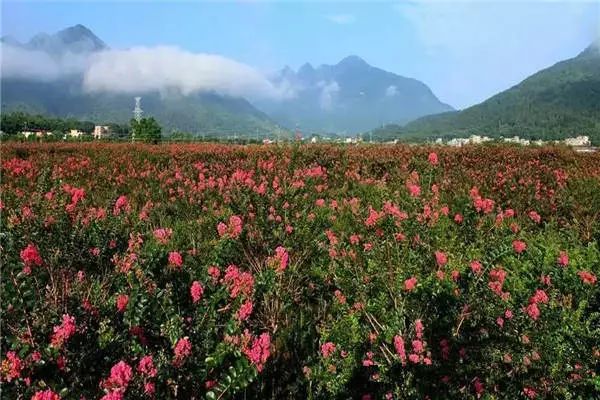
137	111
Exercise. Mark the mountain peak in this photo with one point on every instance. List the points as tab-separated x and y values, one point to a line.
353	61
74	39
593	50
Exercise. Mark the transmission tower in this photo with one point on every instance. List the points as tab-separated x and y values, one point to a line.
137	114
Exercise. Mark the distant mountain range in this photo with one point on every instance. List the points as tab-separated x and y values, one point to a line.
350	97
560	101
202	113
345	98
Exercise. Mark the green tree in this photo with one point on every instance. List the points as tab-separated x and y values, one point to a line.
147	130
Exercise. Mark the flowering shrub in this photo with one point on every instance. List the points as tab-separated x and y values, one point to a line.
212	271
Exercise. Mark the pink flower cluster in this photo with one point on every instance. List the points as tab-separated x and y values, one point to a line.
258	351
63	331
183	349
196	291
233	229
238	282
30	256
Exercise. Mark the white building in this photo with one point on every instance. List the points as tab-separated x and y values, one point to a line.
75	133
101	132
578	141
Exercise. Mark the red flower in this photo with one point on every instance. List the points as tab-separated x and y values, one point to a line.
535	217
327	349
64	331
433	159
587	277
183	348
245	311
519	246
122	301
260	350
30	256
563	259
476	267
441	258
196	290
11	366
175	259
533	311
45	395
146	367
410	284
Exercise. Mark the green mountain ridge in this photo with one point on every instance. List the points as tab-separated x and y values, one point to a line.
205	113
557	102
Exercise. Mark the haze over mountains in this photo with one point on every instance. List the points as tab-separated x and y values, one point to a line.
67	73
350	96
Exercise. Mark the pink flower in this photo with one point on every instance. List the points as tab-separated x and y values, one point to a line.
146	367
530	393
116	395
417	346
539	297
214	272
149	388
245	311
120	375
535	217
163	235
441	258
122	301
433	158
327	349
519	246
11	366
175	259
414	190
64	331
183	348
281	255
410	284
533	311
458	218
587	277
233	229
260	350
400	350
30	256
419	329
476	267
196	290
413	358
563	259
121	204
45	395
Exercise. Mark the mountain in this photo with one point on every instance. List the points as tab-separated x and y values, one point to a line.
205	113
349	97
560	101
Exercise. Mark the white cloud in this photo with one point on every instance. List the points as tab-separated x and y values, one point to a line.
17	62
144	69
342	19
328	92
391	91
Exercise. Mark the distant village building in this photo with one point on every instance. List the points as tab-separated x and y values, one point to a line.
39	133
518	140
578	141
101	132
76	133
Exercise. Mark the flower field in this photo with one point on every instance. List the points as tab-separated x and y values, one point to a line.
371	272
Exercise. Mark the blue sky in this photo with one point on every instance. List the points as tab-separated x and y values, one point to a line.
465	51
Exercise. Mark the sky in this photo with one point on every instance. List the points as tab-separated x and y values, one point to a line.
465	51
